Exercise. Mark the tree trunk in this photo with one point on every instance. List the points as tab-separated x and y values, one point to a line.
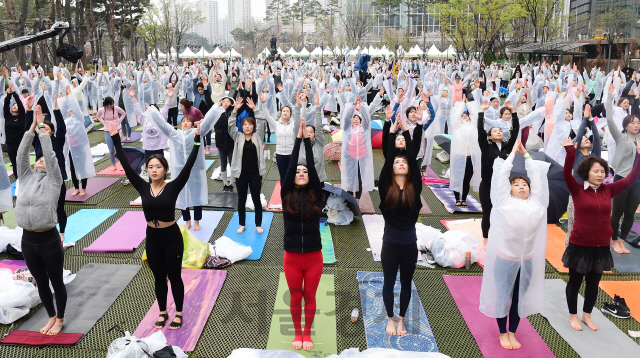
112	33
133	40
90	24
67	17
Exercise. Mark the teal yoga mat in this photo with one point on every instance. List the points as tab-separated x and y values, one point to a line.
273	139
250	237
328	256
84	221
208	163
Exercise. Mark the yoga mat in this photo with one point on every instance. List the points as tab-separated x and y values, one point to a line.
9	172
9	219
208	163
446	197
366	205
222	201
425	210
473	227
608	341
134	137
208	224
90	295
328	255
273	139
556	247
95	159
32	161
276	199
84	221
137	202
201	290
12	265
38	339
627	263
13	189
629	290
250	237
419	337
94	186
125	235
432	177
107	171
374	226
323	331
466	293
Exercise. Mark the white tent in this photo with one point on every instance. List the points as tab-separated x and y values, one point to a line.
292	53
418	51
202	53
217	53
433	52
265	52
317	52
227	54
235	54
161	55
384	51
327	52
337	51
450	52
187	53
304	52
401	51
280	52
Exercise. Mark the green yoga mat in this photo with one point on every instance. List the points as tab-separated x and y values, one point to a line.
328	256
323	333
9	220
32	161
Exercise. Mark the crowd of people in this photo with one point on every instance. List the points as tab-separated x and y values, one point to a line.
238	105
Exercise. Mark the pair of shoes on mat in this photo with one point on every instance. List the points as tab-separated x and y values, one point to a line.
618	308
227	188
173	325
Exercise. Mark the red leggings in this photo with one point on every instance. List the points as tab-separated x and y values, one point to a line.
299	267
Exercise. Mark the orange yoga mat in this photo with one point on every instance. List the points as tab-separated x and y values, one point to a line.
276	199
556	247
629	290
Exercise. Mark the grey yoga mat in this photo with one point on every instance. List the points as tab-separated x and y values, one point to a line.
89	296
223	201
608	341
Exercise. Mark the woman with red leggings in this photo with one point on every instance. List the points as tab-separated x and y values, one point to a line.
301	203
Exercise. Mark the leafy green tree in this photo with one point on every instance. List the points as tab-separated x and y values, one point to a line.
303	9
277	9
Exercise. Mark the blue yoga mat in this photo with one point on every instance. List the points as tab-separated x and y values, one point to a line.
84	221
273	139
250	237
13	189
419	337
208	163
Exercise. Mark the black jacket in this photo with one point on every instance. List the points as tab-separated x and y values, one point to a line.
14	126
221	128
302	234
490	151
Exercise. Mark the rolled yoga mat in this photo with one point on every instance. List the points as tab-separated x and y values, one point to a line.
125	235
201	290
466	293
222	201
250	237
608	341
84	221
446	197
323	331
135	136
89	296
629	290
328	255
94	186
419	337
275	203
208	224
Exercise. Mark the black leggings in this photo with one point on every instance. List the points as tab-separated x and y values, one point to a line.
44	257
173	116
164	256
197	214
591	282
253	181
485	201
12	152
624	203
468	174
62	215
392	256
514	318
74	179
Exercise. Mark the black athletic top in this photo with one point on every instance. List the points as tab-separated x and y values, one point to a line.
249	157
14	126
490	151
161	207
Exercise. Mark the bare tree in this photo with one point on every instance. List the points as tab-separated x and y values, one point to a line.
185	17
357	23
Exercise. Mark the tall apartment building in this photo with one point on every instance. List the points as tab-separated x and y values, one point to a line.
411	19
582	16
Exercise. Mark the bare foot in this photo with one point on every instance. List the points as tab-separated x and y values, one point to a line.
514	342
62	236
113	168
616	247
45	329
206	151
391	326
259	230
83	192
402	330
187	225
575	322
75	192
505	342
196	225
307	344
485	244
297	343
623	247
57	327
586	318
240	230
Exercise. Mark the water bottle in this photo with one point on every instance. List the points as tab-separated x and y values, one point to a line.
467	260
354	314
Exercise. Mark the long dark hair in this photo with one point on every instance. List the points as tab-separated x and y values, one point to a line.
395	195
293	202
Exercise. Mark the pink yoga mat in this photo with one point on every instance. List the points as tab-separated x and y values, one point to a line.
9	172
94	186
134	137
12	265
201	289
466	292
119	171
125	235
432	177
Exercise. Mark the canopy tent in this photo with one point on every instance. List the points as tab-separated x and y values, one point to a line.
202	53
450	52
373	52
433	52
161	55
317	52
217	53
337	51
265	52
187	53
292	53
365	51
280	52
416	51
327	52
304	52
235	54
384	51
227	54
401	51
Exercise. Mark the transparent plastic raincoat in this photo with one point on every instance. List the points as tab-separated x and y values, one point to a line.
464	142
77	142
356	150
6	199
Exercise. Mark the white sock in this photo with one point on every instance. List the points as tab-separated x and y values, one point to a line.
224	178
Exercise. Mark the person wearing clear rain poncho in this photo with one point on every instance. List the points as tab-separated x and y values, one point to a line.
465	151
357	158
316	136
513	278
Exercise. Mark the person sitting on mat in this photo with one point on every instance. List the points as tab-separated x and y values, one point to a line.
588	254
247	164
35	213
302	198
400	188
164	246
513	278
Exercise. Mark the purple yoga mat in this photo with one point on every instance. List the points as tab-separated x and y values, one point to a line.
446	197
94	186
125	235
466	292
208	224
134	137
12	265
201	289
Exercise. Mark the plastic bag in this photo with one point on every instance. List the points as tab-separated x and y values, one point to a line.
217	174
450	249
128	347
261	353
230	249
195	252
534	143
249	203
337	211
155	342
385	353
426	235
10	236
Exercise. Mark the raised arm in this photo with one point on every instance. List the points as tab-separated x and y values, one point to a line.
500	186
182	178
515	129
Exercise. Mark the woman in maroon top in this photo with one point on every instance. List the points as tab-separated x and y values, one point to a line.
189	110
588	254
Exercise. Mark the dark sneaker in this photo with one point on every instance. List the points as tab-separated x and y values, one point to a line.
225	188
619	301
230	188
614	310
428	257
